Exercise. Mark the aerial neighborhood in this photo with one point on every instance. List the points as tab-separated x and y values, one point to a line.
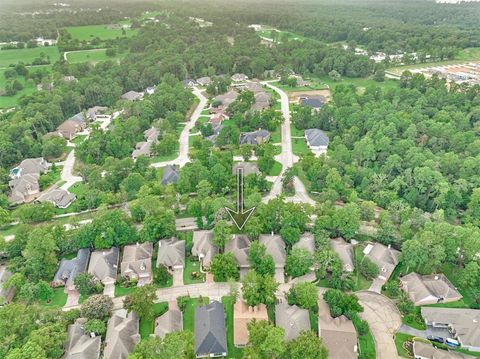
251	179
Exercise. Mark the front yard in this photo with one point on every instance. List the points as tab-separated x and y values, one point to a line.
192	274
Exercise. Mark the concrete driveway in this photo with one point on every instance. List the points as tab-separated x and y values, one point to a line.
178	277
67	172
384	319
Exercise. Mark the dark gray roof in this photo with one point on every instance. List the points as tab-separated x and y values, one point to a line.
316	137
78	118
210	333
314	102
80	345
170	175
70	268
251	138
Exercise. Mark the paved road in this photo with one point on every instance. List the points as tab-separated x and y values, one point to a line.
65	54
183	151
384	319
67	172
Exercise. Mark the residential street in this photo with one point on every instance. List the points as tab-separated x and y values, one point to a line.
67	172
183	157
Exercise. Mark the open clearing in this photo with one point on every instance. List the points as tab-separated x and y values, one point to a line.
103	32
12	57
295	95
11	101
94	56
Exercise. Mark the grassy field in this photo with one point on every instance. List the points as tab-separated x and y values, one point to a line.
147	326
12	57
472	53
11	101
358	82
103	32
233	352
93	56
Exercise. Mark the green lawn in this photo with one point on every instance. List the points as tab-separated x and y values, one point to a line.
11	101
192	139
192	266
276	136
400	339
189	314
12	57
59	299
165	157
205	112
233	352
313	321
276	169
358	82
295	132
103	32
314	85
300	147
93	56
121	291
79	139
361	283
366	345
147	326
49	178
472	53
78	189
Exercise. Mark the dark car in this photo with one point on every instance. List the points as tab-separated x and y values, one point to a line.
433	338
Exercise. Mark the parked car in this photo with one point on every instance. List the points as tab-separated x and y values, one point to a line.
433	338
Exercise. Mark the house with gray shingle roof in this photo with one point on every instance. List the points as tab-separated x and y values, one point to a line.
132	96
227	98
169	322
36	166
239	77
58	197
203	247
291	318
345	252
24	189
306	242
423	350
276	248
386	258
315	102
144	148
316	139
6	294
104	265
122	335
170	175
171	253
81	345
262	101
69	128
210	331
95	111
204	81
137	262
68	269
255	137
238	246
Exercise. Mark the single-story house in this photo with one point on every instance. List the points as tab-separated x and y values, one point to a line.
242	315
203	247
247	167
462	325
58	197
239	77
171	253
204	81
276	248
345	252
132	96
81	345
315	102
170	175
68	269
386	258
137	262
169	322
422	350
255	137
238	246
316	139
36	166
104	265
338	334
210	331
429	289
307	242
6	294
122	335
291	318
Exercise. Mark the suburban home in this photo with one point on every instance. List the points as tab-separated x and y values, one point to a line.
137	263
68	269
81	345
210	331
248	168
238	246
69	128
169	322
315	102
143	148
6	294
204	81
291	318
386	258
203	247
104	264
96	111
132	96
69	78
242	315
171	253
306	242
150	90
122	335
459	324
251	86
317	140
170	175
276	248
189	83
422	350
255	137
226	99
429	289
58	197
262	101
35	166
338	334
239	77
24	189
345	252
